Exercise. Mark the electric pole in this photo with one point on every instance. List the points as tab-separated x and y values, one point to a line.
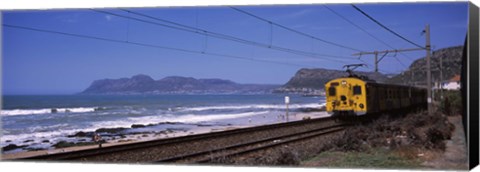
429	71
441	78
376	61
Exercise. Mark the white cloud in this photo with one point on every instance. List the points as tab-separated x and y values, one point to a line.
108	17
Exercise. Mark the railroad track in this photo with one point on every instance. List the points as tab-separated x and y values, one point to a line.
244	148
164	149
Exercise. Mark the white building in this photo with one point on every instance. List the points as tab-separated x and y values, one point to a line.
452	84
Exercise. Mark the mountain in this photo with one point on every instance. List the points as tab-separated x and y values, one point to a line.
312	81
309	80
144	84
416	73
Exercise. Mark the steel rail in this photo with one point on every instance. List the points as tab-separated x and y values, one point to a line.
205	156
109	150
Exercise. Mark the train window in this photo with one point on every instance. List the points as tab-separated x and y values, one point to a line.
333	84
331	91
357	90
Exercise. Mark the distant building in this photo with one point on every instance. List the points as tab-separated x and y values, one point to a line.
452	84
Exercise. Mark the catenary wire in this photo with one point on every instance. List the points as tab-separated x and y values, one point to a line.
149	45
385	27
223	36
295	31
368	33
365	31
232	38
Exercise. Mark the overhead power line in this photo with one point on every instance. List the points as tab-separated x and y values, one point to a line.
295	31
385	27
368	33
196	30
236	39
149	45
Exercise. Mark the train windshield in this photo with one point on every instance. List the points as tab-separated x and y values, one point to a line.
331	91
357	90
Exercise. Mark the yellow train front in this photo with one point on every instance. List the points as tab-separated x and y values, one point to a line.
351	96
346	97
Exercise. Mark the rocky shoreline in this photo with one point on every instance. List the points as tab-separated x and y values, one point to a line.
118	134
144	132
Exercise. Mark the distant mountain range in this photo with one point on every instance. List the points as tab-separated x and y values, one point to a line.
144	84
305	81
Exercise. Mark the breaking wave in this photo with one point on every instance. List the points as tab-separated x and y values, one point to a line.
14	112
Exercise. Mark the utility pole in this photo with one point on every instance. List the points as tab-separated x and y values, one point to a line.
376	61
441	78
287	101
429	71
412	73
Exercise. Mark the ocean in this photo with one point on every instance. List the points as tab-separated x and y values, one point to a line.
38	122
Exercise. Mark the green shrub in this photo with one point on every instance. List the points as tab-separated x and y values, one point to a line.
451	104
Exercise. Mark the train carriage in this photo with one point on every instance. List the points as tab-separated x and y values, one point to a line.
356	96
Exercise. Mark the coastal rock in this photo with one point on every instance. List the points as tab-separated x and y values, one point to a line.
99	109
138	126
312	109
26	141
161	123
110	130
63	144
82	134
12	147
35	149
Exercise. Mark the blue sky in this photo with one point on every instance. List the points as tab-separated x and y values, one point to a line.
46	63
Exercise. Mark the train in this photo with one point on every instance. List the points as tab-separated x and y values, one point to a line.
355	95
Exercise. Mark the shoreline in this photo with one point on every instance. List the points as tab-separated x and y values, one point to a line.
142	137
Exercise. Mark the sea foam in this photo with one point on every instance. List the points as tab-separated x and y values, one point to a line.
14	112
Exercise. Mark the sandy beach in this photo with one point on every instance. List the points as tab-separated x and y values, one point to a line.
237	123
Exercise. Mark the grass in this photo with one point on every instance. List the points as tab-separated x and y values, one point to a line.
374	158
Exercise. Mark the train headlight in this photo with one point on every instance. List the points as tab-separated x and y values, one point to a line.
344	82
361	105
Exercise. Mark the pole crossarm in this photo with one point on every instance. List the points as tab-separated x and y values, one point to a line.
388	51
385	52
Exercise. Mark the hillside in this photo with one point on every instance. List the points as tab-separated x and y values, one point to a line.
144	84
452	65
308	80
